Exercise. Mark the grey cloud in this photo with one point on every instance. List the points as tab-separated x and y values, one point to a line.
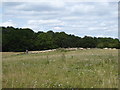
11	4
79	18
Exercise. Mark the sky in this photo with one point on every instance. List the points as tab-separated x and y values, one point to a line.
99	19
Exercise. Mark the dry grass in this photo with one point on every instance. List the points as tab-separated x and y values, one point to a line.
93	68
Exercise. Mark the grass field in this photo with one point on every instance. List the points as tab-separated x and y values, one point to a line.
94	68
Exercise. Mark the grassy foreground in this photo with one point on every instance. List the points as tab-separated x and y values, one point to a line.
94	68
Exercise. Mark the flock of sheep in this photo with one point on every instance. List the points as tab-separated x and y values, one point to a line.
43	51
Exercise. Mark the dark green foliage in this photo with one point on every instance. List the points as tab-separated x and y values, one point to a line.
44	41
18	39
108	42
88	42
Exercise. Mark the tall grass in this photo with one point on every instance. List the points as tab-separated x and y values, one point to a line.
94	68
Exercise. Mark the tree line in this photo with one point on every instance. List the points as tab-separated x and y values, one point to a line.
20	39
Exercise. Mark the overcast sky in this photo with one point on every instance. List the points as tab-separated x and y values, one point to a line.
78	18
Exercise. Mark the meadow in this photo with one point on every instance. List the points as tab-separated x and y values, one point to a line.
93	68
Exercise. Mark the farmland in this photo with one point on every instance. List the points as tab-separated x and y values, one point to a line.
93	68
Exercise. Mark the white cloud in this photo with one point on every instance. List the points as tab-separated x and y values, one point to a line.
8	23
44	21
81	8
58	3
57	28
60	0
44	25
79	18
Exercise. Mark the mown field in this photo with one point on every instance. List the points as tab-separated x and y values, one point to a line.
93	68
